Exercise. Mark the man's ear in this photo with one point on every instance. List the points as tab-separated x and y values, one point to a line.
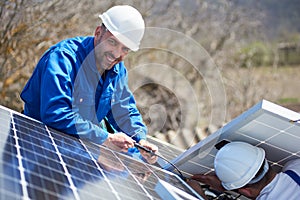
98	31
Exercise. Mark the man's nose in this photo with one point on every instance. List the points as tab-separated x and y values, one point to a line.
117	52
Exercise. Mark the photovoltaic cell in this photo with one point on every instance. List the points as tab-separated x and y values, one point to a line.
168	151
37	162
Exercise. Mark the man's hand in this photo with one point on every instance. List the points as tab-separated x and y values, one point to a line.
119	142
196	186
211	180
150	158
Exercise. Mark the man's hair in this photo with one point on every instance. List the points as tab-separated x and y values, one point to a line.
104	27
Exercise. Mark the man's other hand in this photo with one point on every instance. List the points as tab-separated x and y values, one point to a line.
150	158
211	180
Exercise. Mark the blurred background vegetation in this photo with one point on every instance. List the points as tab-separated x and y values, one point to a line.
255	44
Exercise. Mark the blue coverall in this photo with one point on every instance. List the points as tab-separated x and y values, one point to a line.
67	93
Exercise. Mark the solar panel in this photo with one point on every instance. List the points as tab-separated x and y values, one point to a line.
167	150
38	162
266	125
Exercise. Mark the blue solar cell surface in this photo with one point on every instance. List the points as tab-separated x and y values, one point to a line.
38	162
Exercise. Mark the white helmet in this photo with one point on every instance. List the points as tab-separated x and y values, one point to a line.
237	163
126	24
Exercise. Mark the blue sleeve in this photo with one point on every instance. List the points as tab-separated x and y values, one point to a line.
57	83
124	115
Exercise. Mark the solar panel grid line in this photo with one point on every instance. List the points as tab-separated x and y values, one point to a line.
8	194
48	165
6	179
41	173
168	191
267	140
151	181
167	153
289	132
168	150
101	171
123	164
83	170
33	145
40	180
45	190
32	174
266	125
262	143
41	153
72	186
119	180
19	157
47	169
118	183
285	158
114	155
130	191
51	160
79	170
93	163
280	131
138	183
80	166
136	169
264	137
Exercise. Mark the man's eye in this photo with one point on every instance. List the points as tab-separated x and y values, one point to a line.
126	50
113	42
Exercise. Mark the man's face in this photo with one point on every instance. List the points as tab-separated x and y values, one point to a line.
108	49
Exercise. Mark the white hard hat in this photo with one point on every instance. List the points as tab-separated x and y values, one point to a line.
126	24
237	163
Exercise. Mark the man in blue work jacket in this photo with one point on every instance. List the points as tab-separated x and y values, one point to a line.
81	81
